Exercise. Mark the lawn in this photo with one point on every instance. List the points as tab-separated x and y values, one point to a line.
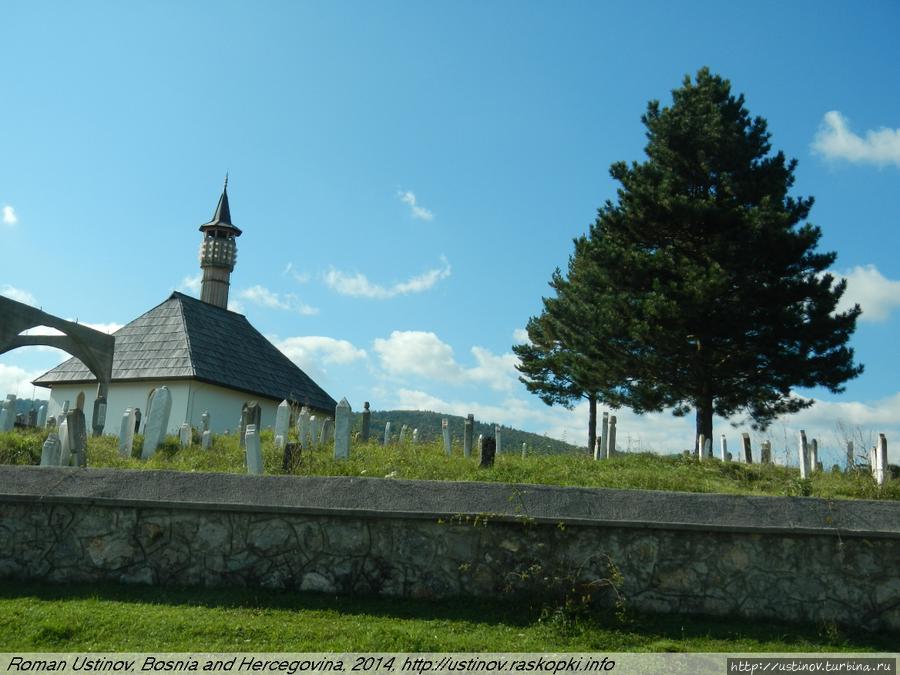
99	618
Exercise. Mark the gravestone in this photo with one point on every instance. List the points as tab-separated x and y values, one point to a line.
488	450
415	436
851	459
524	449
498	439
157	421
403	430
77	437
699	450
604	435
137	420
480	444
387	433
813	455
290	457
366	422
325	434
803	451
252	453
64	457
8	413
611	445
65	408
445	433
315	429
468	432
251	413
126	433
184	435
32	417
303	427
204	421
342	430
595	451
881	460
50	450
745	443
42	417
98	420
279	442
282	421
51	422
723	449
206	440
765	453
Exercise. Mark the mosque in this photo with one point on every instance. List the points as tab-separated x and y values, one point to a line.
211	359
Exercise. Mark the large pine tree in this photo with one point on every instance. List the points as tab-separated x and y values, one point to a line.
703	282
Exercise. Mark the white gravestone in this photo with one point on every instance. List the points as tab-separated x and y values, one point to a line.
480	444
765	453
204	421
252	450
303	427
206	440
283	420
881	460
415	436
699	450
325	433
803	451
314	421
468	431
185	435
497	438
157	421
604	435
611	447
42	417
813	455
50	451
342	430
445	432
65	453
126	433
723	449
524	450
387	433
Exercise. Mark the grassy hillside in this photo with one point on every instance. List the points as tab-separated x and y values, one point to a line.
427	461
429	425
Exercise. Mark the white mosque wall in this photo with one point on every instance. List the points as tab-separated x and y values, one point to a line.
190	399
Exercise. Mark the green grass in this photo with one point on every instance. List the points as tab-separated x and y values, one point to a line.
427	461
101	618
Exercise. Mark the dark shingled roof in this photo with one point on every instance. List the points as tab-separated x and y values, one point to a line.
186	338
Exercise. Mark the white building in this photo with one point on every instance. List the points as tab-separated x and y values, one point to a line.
211	359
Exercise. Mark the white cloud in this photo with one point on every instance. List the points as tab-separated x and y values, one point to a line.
9	215
315	349
18	294
418	212
424	354
16	380
520	337
236	306
299	277
262	296
110	327
870	289
358	285
835	140
191	284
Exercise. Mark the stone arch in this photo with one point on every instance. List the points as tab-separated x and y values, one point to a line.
92	347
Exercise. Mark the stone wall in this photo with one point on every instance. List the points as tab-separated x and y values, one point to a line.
761	557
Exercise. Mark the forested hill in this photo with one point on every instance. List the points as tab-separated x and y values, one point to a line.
429	425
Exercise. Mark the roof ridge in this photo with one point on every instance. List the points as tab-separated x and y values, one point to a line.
187	334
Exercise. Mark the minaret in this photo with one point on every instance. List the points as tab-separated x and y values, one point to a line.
218	253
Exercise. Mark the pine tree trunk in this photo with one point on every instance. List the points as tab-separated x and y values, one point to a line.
592	423
704	408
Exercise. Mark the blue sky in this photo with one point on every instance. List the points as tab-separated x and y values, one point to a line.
408	175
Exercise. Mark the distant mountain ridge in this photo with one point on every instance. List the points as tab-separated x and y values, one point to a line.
429	425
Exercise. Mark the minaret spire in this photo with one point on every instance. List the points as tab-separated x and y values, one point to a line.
218	253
